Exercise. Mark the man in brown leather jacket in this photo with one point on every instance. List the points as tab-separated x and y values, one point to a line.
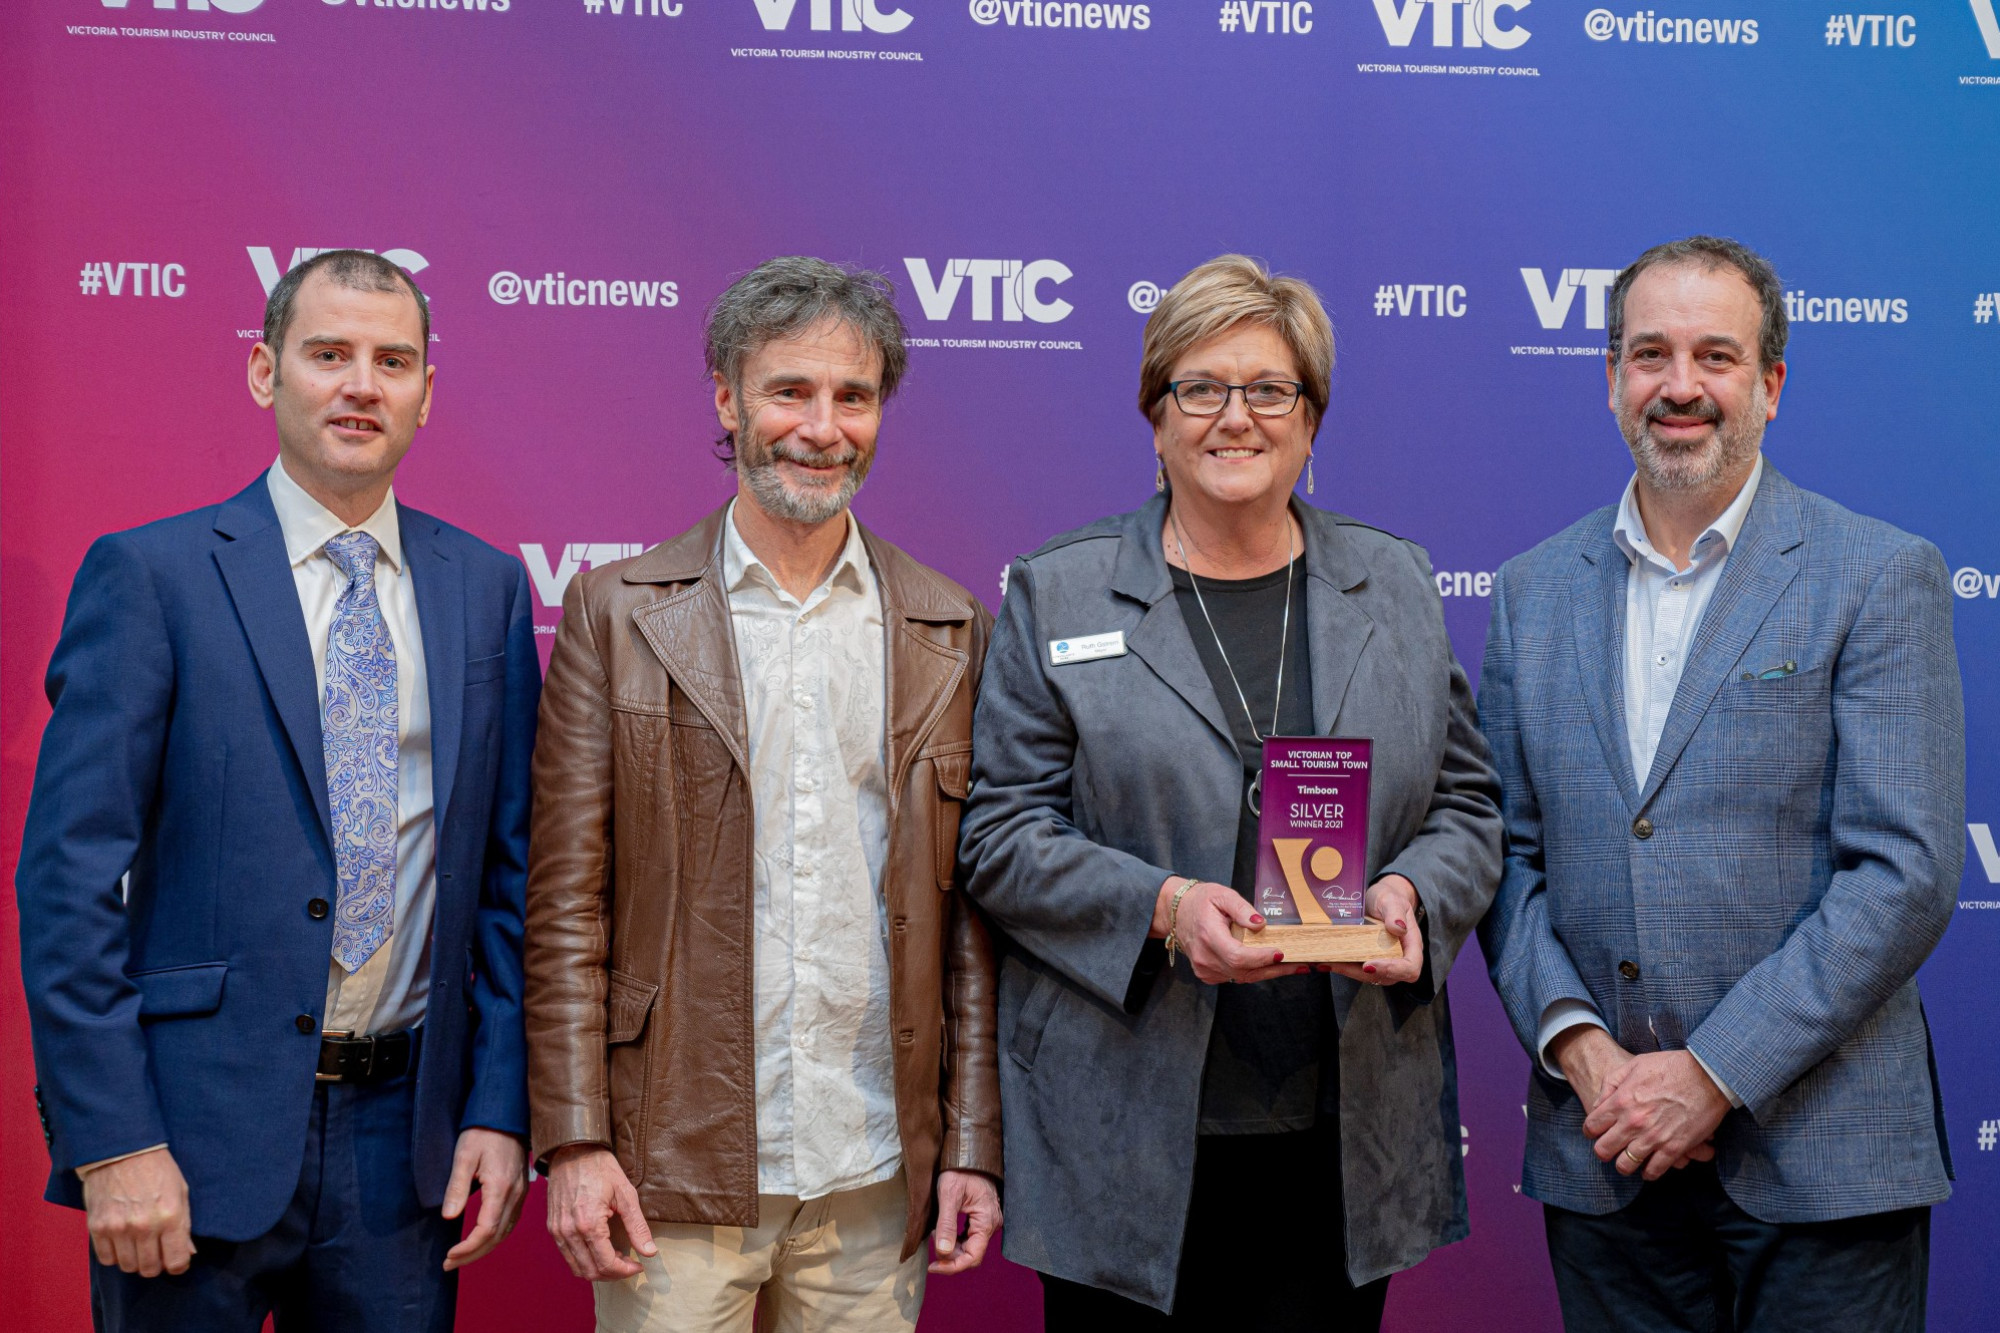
759	1009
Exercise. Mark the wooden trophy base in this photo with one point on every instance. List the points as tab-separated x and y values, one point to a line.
1325	944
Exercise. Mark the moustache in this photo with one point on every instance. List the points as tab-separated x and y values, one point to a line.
781	452
1703	409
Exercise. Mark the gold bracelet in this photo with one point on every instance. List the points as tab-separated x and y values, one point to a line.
1174	917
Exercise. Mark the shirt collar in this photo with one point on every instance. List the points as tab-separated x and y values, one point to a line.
1629	529
740	565
308	525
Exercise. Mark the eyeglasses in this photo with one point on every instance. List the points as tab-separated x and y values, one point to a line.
1207	398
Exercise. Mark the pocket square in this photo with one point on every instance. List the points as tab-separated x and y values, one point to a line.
1778	672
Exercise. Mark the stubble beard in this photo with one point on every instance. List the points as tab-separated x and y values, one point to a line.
757	463
1677	467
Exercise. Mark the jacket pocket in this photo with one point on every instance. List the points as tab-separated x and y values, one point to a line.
180	992
482	669
954	776
629	1070
1033	1020
626	1008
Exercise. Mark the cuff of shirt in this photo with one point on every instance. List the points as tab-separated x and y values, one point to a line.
1716	1079
89	1167
1558	1018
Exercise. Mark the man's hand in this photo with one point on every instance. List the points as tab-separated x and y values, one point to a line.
497	1166
972	1194
137	1211
1587	1056
1201	930
587	1193
1657	1113
1392	900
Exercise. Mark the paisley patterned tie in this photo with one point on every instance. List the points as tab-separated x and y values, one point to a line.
358	718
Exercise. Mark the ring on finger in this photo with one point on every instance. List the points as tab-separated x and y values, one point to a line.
1632	1157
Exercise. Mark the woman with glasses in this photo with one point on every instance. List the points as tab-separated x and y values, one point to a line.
1200	1133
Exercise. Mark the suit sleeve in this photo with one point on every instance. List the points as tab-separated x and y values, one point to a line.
1454	859
111	684
1084	908
1897	835
569	877
972	1074
499	1097
1529	966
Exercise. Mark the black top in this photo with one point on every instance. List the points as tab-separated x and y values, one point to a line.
1272	1057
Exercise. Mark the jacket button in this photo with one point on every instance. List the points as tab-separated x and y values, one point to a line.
1629	970
1642	828
305	1024
316	909
906	1037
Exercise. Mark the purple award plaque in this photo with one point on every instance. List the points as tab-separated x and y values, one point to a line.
1312	833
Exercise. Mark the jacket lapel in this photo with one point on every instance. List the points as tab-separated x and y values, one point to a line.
258	573
690	631
1161	640
1597	603
1338	627
1762	565
439	583
920	673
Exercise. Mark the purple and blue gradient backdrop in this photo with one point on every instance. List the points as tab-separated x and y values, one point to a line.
548	137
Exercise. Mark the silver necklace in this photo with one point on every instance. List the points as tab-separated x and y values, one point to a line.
1252	794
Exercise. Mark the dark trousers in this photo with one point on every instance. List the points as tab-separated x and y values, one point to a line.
1683	1257
1259	1257
355	1252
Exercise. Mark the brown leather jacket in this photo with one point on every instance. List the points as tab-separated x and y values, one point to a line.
639	934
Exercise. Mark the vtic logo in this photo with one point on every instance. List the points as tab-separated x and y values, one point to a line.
1482	24
1018	283
1989	25
855	16
226	6
551	582
268	272
1552	307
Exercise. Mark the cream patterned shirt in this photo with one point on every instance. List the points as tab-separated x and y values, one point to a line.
814	685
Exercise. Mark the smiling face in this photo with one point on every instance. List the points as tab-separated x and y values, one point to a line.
805	419
1235	457
349	387
1690	395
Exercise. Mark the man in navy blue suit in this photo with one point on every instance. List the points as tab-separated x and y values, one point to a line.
271	883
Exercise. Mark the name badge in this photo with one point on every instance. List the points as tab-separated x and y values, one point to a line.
1088	649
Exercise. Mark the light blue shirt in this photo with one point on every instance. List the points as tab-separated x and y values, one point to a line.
1663	610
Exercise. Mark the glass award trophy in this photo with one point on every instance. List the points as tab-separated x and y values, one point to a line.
1312	853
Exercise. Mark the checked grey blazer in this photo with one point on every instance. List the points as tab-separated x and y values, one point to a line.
1766	894
1093	781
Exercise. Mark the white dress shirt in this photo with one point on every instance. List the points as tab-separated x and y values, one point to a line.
814	689
388	991
1663	609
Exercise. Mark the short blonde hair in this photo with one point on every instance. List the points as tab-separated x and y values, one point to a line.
1227	291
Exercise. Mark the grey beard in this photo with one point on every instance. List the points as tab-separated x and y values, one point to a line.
758	465
1734	444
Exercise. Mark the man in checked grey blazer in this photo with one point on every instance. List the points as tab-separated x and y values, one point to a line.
1726	716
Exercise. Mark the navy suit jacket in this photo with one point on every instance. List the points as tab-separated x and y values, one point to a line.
1765	895
184	756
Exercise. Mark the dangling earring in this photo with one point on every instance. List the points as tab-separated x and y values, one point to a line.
1159	474
1309	474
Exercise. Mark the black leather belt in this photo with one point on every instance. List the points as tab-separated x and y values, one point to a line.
386	1055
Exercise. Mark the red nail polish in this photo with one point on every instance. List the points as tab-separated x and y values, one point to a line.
1303	970
1256	920
1368	967
1278	958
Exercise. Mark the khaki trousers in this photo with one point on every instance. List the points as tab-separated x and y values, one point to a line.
825	1265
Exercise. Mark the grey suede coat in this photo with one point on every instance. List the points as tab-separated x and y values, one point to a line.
1092	782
